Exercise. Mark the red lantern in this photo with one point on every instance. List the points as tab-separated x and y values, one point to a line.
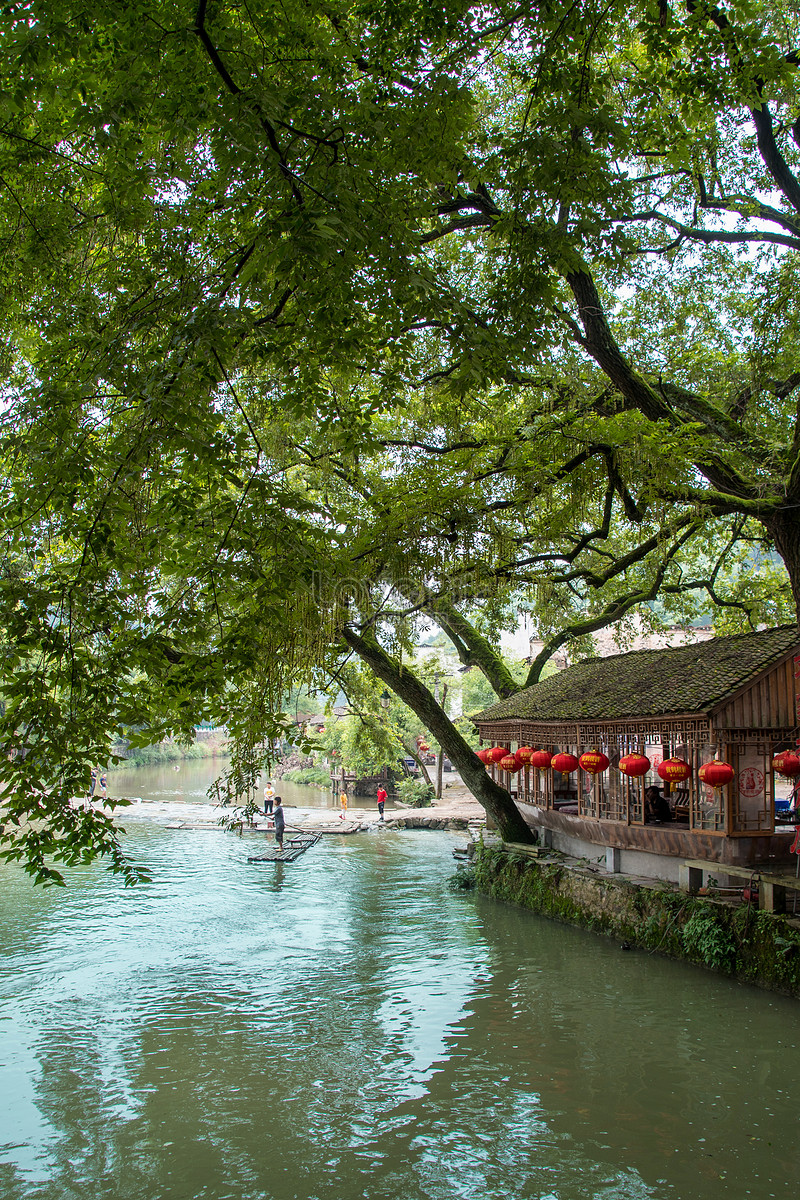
483	754
509	763
541	759
634	765
786	763
594	762
524	754
565	763
674	770
716	773
496	753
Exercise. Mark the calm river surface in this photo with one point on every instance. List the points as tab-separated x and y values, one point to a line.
188	781
345	1026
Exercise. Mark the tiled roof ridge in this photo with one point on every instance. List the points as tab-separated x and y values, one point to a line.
623	685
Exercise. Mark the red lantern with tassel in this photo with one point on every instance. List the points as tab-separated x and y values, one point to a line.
524	754
509	763
496	753
634	765
565	763
786	763
593	762
716	773
674	770
541	759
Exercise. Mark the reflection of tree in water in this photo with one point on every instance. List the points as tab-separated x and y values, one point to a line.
369	1034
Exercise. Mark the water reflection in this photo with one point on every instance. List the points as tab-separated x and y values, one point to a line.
344	1026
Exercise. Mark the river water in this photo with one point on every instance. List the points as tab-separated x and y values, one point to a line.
345	1026
188	781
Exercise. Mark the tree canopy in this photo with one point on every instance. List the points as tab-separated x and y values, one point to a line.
317	322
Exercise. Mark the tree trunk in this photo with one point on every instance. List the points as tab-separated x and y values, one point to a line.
440	757
495	800
785	529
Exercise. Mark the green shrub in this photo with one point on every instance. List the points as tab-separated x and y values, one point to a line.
311	776
415	792
463	880
707	939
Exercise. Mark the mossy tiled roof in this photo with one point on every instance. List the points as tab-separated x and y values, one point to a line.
643	683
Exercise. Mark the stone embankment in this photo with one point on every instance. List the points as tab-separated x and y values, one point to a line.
723	934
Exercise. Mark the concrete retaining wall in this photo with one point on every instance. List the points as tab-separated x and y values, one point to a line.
735	939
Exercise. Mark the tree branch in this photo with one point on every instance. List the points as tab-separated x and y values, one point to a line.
613	612
474	650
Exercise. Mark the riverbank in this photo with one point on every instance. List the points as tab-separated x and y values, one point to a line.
208	743
721	934
460	813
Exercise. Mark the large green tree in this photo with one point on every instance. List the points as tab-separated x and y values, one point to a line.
318	321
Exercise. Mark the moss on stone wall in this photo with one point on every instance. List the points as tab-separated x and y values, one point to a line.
755	947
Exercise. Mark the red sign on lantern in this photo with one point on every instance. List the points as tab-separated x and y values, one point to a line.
541	759
786	763
565	763
593	762
634	765
674	770
716	773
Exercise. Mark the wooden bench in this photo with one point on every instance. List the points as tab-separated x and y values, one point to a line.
772	887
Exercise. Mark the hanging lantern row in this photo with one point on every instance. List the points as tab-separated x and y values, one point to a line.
672	770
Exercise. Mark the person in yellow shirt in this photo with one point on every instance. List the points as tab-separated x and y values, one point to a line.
269	796
343	803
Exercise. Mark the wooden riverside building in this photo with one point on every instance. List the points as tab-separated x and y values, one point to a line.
732	698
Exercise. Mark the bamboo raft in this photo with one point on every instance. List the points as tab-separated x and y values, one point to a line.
294	845
339	828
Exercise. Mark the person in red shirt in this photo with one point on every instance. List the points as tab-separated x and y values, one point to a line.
382	798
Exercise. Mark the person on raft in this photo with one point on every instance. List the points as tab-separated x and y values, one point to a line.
280	821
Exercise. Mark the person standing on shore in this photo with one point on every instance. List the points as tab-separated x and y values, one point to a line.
343	804
280	822
269	796
104	786
382	798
